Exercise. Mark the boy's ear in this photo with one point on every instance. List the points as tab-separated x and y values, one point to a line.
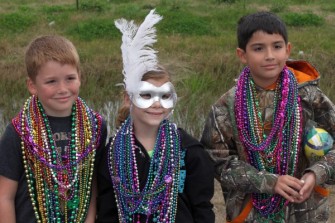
31	86
241	55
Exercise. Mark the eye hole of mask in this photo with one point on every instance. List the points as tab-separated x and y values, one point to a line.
148	96
145	95
166	96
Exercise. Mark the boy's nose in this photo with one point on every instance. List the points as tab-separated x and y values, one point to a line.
62	87
269	54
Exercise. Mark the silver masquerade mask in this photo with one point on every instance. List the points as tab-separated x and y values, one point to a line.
148	94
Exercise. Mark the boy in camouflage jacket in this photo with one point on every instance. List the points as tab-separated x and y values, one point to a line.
255	131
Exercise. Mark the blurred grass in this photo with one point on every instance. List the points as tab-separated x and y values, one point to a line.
196	42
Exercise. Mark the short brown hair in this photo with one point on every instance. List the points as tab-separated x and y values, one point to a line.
50	48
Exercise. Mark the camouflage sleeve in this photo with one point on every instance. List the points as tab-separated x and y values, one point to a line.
242	176
323	111
230	168
220	147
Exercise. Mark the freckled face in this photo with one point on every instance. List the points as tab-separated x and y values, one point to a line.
57	88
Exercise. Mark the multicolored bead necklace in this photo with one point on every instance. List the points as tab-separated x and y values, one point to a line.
158	199
59	184
278	151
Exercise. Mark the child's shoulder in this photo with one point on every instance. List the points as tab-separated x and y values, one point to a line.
226	98
187	140
190	143
9	131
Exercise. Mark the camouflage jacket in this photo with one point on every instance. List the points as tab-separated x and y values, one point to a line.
239	179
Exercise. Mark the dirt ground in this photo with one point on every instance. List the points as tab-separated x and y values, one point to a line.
218	203
219	208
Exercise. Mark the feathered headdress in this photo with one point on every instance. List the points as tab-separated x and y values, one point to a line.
137	53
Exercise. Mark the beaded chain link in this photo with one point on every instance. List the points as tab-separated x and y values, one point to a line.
158	198
278	151
59	183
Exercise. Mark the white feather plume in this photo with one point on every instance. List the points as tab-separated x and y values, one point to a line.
138	55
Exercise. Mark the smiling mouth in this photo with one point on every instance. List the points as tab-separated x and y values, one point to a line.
63	98
270	66
154	113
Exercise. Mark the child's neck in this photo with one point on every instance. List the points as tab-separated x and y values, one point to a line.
265	84
147	137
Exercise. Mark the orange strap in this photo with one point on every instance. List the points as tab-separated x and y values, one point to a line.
322	191
245	212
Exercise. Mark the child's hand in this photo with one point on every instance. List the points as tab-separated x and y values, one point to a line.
309	184
289	187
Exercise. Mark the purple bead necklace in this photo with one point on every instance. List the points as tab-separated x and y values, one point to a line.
158	199
278	151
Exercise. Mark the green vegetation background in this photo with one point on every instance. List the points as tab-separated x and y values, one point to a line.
196	42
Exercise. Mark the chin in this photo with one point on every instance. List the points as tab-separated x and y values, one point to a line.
155	122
